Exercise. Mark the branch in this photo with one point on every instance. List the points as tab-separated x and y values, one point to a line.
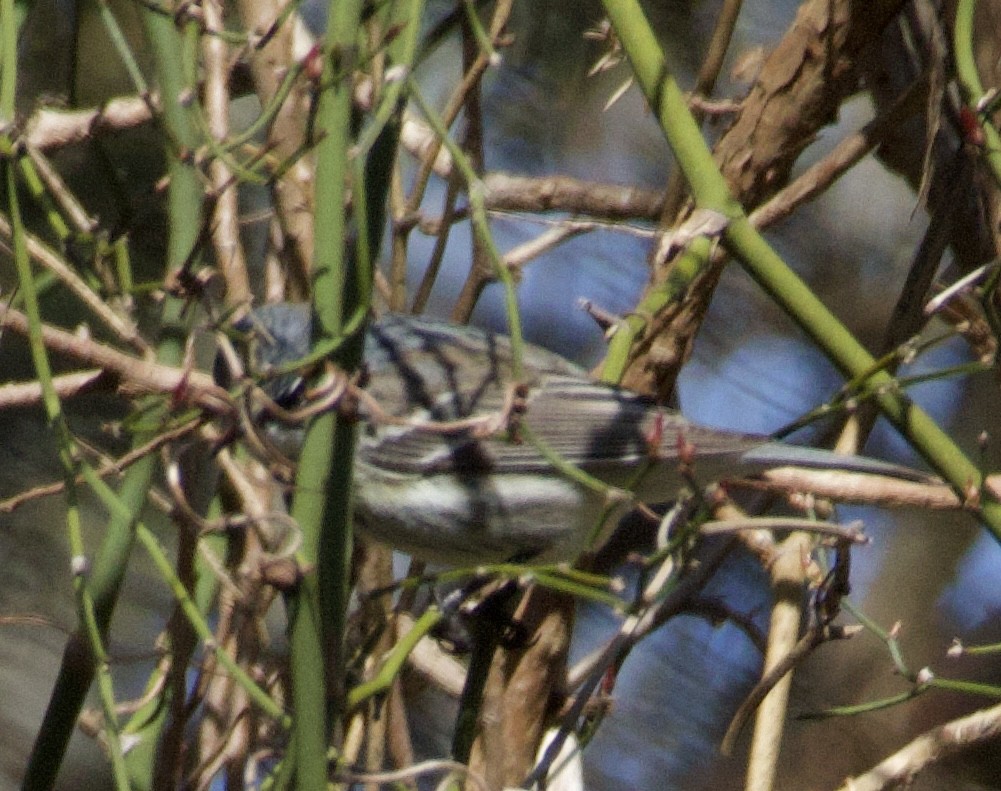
928	749
800	88
863	489
48	259
788	574
49	129
147	376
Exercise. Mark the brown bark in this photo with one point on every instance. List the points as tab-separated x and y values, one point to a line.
814	68
803	82
518	697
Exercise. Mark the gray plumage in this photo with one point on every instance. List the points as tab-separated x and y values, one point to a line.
458	498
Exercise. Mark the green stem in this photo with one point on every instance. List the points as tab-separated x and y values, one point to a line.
323	485
395	660
770	271
121	45
481	226
9	24
88	641
258	696
971	86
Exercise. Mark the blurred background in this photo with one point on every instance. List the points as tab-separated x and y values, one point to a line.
933	573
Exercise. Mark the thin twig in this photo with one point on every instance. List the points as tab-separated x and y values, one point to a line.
193	387
49	260
415	771
226	222
860	488
788	579
112	467
22	394
802	649
705	84
851	532
930	748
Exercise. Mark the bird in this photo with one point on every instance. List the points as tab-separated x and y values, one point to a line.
429	481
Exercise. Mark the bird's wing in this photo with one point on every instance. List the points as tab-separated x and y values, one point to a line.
594	427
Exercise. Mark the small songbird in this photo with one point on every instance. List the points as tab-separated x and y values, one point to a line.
453	494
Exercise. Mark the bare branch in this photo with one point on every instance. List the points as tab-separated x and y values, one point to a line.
49	129
930	748
48	259
193	387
